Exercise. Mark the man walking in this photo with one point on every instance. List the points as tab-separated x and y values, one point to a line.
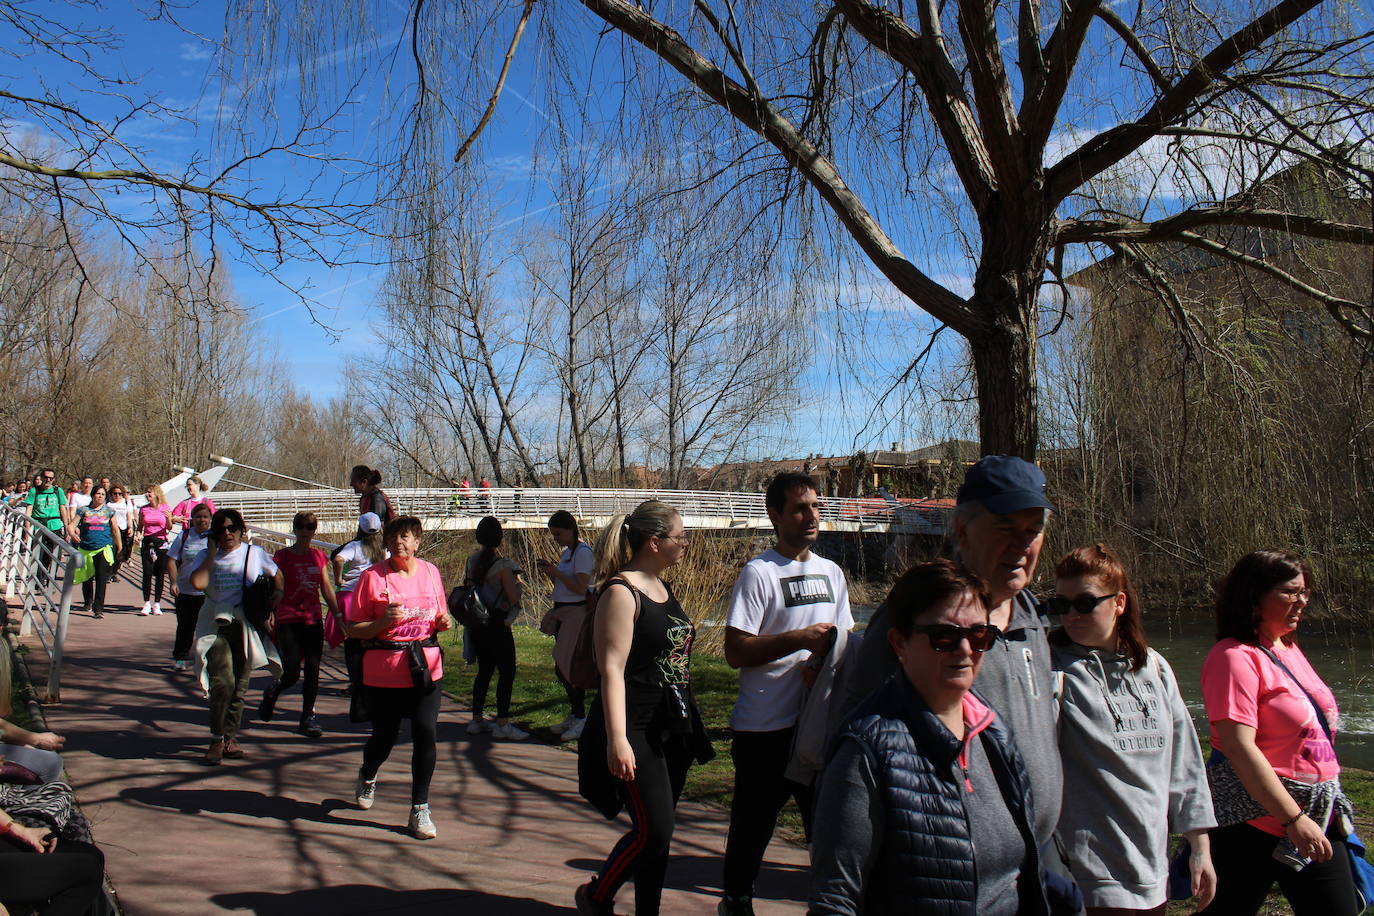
785	606
46	504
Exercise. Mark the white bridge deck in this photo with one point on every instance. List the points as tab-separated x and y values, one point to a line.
530	507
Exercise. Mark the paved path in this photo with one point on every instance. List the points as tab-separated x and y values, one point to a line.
277	832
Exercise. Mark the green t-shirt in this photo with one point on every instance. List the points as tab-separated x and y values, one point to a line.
47	506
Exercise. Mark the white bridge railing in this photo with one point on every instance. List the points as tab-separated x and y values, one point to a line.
39	567
700	508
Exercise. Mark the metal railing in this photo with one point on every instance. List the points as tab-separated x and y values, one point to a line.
263	537
39	567
701	507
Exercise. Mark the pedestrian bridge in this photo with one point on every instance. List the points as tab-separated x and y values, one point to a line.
449	509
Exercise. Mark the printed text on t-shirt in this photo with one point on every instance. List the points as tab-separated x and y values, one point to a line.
809	589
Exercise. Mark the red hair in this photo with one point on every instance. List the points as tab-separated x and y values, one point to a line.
1099	562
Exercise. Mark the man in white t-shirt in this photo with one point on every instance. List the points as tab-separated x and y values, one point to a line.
80	496
784	608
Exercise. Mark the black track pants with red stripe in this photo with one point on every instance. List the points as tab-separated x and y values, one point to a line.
661	764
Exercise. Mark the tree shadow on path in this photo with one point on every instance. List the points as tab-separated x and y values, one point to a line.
358	899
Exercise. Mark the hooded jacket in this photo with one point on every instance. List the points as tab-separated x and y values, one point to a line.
1131	754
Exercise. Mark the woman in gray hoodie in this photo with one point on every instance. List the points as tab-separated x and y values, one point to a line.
1133	770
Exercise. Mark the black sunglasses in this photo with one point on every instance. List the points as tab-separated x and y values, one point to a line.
945	637
230	529
1083	604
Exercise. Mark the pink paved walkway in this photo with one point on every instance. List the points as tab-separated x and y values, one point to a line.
277	832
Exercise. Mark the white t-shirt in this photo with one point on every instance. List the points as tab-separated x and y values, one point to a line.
228	578
574	561
78	501
355	563
773	595
123	512
186	551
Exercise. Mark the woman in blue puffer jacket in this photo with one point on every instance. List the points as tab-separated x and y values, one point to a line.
925	804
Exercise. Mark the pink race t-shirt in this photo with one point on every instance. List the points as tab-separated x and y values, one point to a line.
301	577
1243	685
187	506
422	596
154	520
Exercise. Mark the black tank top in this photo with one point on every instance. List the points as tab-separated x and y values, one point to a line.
661	648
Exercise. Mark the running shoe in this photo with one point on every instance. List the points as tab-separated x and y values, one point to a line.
574	731
310	727
421	826
582	899
365	791
157	610
214	755
509	732
563	726
147	609
735	906
232	749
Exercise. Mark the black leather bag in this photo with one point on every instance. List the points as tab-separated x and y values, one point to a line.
467	607
257	596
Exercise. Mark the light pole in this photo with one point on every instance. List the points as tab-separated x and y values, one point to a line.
230	462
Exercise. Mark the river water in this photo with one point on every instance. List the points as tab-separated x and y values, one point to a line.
1344	660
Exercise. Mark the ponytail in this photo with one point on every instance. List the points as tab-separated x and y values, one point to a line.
622	538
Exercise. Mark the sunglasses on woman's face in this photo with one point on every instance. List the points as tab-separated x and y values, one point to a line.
945	637
1083	604
228	529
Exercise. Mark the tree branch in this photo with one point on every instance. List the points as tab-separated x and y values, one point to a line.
1112	145
1038	110
1140	232
761	117
500	82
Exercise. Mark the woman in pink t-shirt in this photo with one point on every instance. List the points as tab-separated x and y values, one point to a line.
298	628
1273	770
152	522
181	515
398	608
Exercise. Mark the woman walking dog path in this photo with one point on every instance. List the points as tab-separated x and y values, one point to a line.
278	832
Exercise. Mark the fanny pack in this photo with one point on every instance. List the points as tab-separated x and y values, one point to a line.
415	658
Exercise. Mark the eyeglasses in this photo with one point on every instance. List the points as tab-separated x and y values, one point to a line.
1083	604
48	477
1293	594
946	637
682	538
228	529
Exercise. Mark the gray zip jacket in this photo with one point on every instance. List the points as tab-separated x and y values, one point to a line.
1133	774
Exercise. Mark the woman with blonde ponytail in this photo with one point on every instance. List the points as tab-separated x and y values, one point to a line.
645	731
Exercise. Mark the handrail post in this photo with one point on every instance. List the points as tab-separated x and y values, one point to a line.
54	694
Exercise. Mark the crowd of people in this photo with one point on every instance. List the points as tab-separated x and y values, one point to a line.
975	749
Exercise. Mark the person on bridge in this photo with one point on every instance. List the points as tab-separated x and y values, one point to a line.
367	483
46	504
182	559
154	522
195	487
398	610
124	520
645	731
97	537
571	577
298	629
227	647
498	583
782	610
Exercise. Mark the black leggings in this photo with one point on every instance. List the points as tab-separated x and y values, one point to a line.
1246	870
495	647
651	800
93	590
760	759
389	705
301	643
154	554
188	613
67	880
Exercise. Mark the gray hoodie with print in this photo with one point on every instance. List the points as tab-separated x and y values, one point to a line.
1133	774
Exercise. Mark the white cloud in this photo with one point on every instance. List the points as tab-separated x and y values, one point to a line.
191	51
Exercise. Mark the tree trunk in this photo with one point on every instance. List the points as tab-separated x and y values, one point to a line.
1004	364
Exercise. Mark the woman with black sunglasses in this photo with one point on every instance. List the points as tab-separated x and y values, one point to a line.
1128	746
227	647
924	800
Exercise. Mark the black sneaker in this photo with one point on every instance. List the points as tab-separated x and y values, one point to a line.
582	899
735	906
310	728
269	701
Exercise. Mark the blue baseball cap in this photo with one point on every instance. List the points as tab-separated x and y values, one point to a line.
1004	484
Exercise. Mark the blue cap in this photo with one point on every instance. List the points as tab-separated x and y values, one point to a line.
1004	484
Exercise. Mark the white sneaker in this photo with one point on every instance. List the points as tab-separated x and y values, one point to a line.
563	726
147	609
364	791
477	726
157	610
574	731
421	826
509	732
